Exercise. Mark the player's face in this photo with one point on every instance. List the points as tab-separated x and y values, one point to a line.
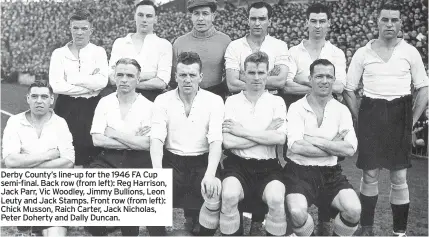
318	25
188	77
202	18
40	100
81	31
322	80
389	24
127	76
256	76
145	18
258	21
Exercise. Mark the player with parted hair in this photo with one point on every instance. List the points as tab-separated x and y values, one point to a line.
388	66
77	73
298	83
254	124
38	138
121	128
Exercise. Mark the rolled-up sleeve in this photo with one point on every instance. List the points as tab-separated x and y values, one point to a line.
165	61
295	122
159	120
216	120
65	145
283	58
11	143
346	123
418	72
355	70
232	57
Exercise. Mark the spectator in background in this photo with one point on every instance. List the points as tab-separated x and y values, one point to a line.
152	52
77	73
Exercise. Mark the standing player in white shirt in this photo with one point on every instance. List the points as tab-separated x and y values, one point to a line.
254	124
259	16
186	136
38	138
388	66
298	83
320	129
154	54
77	73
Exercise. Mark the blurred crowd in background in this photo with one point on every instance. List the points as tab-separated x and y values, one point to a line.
31	31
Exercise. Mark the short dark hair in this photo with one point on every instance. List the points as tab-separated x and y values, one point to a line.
147	3
258	57
81	15
131	61
41	83
389	6
189	58
320	61
318	8
259	5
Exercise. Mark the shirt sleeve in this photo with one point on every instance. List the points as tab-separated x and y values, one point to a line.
165	62
65	145
295	131
159	120
293	68
229	109
99	121
232	58
57	79
11	141
340	67
346	123
114	56
216	120
355	71
280	112
283	57
418	72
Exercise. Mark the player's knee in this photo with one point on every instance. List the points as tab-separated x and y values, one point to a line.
299	215
352	212
370	176
398	178
275	201
230	197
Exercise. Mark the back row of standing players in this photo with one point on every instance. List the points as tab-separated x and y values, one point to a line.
189	125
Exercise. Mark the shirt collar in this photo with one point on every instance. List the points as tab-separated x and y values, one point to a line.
307	106
266	39
70	55
24	121
326	45
176	93
129	40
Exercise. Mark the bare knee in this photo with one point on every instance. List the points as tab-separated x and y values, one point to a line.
274	195
398	176
230	195
352	213
299	215
370	176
